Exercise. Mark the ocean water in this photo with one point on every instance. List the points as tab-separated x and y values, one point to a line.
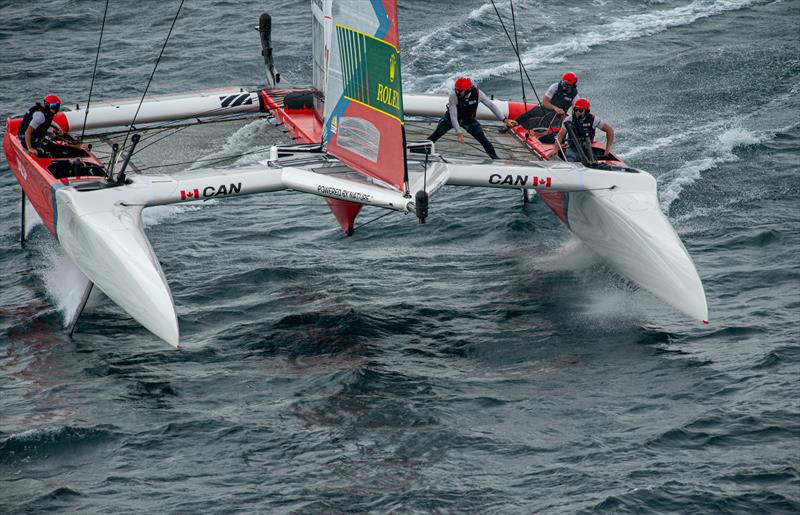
480	363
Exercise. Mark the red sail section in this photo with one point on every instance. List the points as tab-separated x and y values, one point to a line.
379	154
392	35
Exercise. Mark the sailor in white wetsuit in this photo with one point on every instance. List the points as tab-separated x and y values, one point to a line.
462	109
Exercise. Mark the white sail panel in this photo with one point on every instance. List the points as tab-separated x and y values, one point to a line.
320	45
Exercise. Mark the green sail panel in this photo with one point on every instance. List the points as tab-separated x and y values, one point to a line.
371	72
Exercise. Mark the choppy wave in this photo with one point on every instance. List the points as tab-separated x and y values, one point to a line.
656	144
45	443
476	363
672	496
614	31
720	152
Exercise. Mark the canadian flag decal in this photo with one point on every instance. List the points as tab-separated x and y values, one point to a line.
544	181
188	195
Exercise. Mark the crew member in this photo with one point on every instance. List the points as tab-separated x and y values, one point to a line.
557	100
462	108
584	124
36	123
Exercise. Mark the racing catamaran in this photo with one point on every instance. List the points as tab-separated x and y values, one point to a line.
357	142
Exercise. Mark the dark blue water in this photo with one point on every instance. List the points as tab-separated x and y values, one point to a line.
473	364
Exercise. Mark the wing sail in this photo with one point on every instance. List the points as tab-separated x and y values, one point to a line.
320	49
363	124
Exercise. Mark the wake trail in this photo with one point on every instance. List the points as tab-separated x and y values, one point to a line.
720	152
242	141
760	129
156	215
616	30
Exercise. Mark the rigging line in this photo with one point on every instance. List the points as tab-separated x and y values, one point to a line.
94	72
561	149
231	117
425	172
516	51
174	131
582	190
153	73
177	123
374	219
177	128
521	83
210	160
156	132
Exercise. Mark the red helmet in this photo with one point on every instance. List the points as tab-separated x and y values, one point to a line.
581	103
52	99
463	84
570	78
53	102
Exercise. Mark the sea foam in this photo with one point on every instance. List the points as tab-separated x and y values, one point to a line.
720	152
625	28
64	281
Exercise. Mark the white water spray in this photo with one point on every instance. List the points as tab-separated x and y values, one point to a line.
64	281
720	152
572	255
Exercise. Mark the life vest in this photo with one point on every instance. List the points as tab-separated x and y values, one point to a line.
583	127
562	99
41	131
467	106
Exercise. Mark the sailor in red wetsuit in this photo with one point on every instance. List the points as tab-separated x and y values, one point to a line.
584	124
557	100
37	122
462	109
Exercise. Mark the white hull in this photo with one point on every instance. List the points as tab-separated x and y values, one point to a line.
103	234
436	105
107	242
632	235
221	102
617	215
164	108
